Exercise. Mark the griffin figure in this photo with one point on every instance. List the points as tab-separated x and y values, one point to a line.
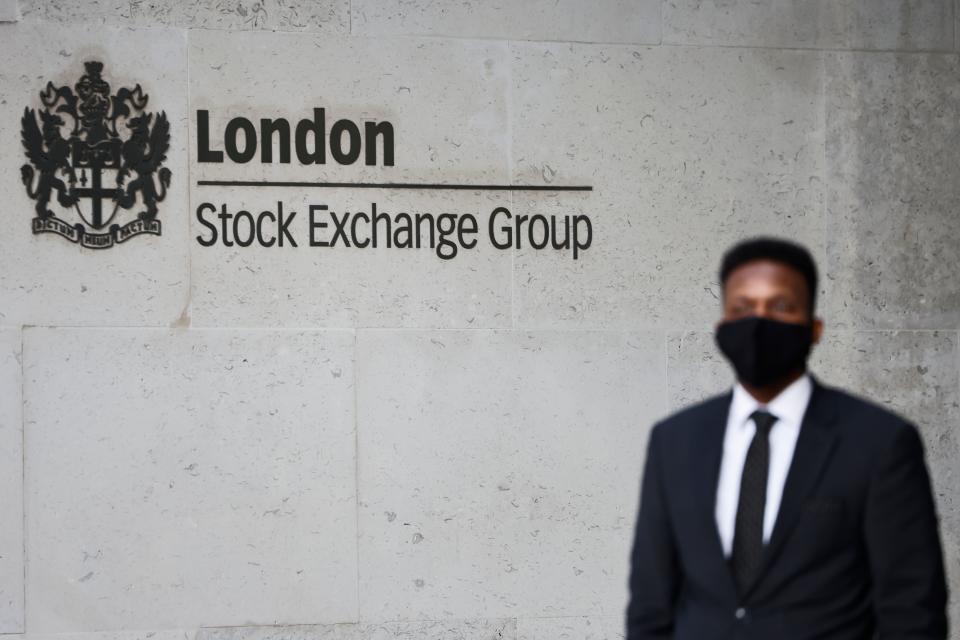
49	152
143	153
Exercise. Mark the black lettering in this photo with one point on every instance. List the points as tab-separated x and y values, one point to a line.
577	246
424	217
520	219
213	229
336	142
566	234
250	140
267	128
376	218
546	231
308	140
224	216
273	218
444	232
317	225
373	130
204	154
404	225
284	231
341	229
353	230
245	215
316	127
471	221
506	229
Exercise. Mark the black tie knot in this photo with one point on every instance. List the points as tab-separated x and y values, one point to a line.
764	420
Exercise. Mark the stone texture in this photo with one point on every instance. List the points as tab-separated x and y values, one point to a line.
325	16
9	11
163	634
11	484
45	279
421	630
535	445
893	190
696	369
831	24
184	478
339	286
636	22
572	628
915	373
688	150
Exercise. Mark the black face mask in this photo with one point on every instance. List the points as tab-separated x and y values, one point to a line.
763	351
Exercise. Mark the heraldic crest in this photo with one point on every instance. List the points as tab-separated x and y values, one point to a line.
80	161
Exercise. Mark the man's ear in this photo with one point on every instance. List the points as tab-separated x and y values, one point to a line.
817	329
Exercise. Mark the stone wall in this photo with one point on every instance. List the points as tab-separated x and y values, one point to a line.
218	442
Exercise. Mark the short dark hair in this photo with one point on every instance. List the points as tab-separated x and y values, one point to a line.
780	250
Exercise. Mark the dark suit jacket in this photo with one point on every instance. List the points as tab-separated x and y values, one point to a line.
855	548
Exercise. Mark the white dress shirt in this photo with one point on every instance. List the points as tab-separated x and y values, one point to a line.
789	407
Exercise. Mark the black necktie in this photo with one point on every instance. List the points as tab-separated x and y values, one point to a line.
748	531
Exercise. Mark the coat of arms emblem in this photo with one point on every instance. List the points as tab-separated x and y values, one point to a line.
93	153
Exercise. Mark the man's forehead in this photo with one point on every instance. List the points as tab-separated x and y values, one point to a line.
765	271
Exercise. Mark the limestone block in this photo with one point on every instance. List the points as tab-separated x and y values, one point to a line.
11	484
163	634
325	16
446	102
44	278
636	22
572	628
892	190
535	443
696	369
688	149
185	478
9	11
827	24
478	629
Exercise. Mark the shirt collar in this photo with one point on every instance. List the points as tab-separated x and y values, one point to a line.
788	406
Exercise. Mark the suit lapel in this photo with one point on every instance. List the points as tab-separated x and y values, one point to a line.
706	454
814	444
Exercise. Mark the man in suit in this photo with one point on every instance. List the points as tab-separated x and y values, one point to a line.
784	508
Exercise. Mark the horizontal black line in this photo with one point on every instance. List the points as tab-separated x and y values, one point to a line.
393	185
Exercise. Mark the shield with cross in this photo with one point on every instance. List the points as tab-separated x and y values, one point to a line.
96	189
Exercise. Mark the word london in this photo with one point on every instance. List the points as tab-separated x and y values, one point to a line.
446	233
309	137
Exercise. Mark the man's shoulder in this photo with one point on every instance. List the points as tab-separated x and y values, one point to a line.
857	412
687	420
854	412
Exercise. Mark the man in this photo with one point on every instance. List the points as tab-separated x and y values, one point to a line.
784	508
